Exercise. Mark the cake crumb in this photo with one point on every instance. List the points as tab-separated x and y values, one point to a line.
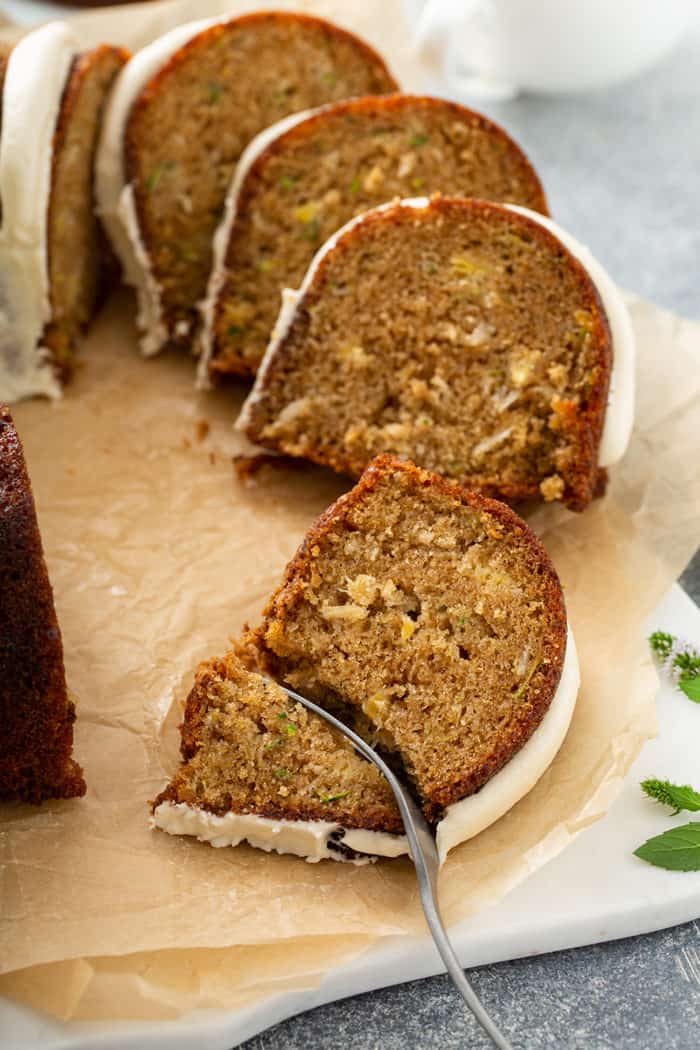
248	467
351	613
552	487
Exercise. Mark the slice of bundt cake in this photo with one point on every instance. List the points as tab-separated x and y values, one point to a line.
430	619
51	251
461	334
183	111
35	712
301	180
433	617
260	768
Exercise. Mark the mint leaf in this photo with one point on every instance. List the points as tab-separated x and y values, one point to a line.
691	687
675	850
678	796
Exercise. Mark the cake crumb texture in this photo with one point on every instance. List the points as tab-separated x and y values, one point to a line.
334	165
460	335
78	259
191	123
429	616
250	749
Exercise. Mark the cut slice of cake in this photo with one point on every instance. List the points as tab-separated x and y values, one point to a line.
433	616
428	618
183	111
301	180
52	256
260	768
461	334
432	620
35	712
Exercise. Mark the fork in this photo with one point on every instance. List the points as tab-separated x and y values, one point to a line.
427	864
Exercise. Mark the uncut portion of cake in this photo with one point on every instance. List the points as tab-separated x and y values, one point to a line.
302	179
52	256
464	335
184	109
260	768
429	618
35	712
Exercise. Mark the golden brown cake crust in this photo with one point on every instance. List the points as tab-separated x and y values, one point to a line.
36	715
281	609
582	423
185	247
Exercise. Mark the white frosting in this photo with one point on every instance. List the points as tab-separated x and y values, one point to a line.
36	75
304	838
115	201
619	416
462	821
470	815
150	315
217	277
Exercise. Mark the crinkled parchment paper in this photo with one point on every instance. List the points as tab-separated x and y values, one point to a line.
158	554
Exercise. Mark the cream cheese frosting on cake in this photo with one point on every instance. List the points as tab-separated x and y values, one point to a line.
115	197
619	416
36	76
315	840
311	839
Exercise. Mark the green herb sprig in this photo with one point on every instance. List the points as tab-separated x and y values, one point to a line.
679	848
680	660
677	796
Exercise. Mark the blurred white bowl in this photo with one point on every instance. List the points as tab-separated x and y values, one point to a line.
500	47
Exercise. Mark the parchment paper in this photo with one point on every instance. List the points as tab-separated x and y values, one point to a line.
158	554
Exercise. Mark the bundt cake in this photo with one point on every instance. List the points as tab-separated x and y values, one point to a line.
429	618
183	111
36	715
260	768
302	179
52	257
464	335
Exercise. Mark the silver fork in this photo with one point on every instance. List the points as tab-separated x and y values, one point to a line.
427	864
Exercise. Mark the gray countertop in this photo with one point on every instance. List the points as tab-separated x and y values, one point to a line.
622	171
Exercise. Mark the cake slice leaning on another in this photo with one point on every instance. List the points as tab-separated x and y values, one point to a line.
260	768
183	111
478	340
52	255
428	618
35	712
305	177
